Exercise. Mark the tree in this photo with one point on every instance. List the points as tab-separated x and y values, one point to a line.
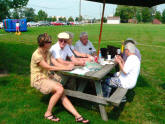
70	19
104	19
6	5
60	19
76	19
146	14
163	16
64	19
54	19
15	14
158	15
29	14
42	15
125	12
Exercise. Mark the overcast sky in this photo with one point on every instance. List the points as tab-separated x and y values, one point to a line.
71	8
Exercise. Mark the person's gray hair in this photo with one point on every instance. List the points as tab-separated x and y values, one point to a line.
71	35
131	47
130	40
83	34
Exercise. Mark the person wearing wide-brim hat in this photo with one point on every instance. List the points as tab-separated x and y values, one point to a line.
61	51
137	52
41	79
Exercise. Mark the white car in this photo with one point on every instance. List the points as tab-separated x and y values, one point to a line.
1	25
32	24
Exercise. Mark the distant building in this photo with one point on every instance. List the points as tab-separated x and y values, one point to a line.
133	21
156	21
113	20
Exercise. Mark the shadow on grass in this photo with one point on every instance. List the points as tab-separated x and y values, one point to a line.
116	111
16	57
142	82
4	82
162	86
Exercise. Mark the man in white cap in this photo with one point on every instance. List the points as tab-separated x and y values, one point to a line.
137	52
129	70
60	51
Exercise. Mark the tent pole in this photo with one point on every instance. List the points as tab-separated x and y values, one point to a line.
101	26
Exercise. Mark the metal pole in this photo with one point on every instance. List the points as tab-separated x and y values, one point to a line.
101	26
79	10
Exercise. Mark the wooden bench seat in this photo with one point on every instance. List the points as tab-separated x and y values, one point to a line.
116	97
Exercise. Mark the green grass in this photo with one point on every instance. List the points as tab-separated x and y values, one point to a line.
21	104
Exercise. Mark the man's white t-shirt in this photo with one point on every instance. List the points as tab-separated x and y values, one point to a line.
88	48
57	52
132	69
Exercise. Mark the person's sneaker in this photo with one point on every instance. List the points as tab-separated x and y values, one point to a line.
124	99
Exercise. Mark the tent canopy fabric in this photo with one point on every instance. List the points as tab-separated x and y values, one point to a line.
143	3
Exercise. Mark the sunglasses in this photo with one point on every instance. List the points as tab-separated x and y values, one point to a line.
63	40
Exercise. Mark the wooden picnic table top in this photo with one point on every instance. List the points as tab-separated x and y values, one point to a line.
94	75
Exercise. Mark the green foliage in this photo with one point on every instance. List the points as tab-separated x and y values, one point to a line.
70	19
163	16
146	15
6	5
15	14
79	19
104	19
158	15
29	14
42	15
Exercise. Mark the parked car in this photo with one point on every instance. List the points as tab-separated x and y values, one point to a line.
1	25
57	23
31	24
43	23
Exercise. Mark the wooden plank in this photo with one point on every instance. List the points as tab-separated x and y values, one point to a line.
101	107
84	96
117	96
104	71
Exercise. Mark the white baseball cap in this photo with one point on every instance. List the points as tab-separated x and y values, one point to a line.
63	35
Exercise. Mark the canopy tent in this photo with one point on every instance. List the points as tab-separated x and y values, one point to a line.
142	3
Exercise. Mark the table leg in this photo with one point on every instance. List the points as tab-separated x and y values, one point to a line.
82	85
101	107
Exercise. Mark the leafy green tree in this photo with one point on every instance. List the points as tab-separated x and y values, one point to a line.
15	14
29	14
64	19
54	19
163	16
76	19
104	19
146	14
70	19
42	15
60	19
158	15
125	13
6	5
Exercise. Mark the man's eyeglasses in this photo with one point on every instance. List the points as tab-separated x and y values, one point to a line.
63	40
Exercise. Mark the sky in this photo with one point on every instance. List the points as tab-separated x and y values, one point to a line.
69	8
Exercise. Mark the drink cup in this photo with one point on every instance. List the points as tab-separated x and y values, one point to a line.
118	51
109	57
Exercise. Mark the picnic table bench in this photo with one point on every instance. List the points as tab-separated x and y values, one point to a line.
95	76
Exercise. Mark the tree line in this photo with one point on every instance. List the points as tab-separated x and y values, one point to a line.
141	14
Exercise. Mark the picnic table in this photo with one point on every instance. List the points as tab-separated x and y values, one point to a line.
96	77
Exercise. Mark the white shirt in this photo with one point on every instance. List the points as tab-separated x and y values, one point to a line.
88	48
17	24
57	52
132	69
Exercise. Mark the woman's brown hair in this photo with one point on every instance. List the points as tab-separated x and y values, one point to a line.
44	38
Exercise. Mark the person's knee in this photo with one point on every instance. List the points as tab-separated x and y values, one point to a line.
60	90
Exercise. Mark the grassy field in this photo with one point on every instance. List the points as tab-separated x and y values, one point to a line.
21	104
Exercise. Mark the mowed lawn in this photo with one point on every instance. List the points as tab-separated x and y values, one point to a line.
21	104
